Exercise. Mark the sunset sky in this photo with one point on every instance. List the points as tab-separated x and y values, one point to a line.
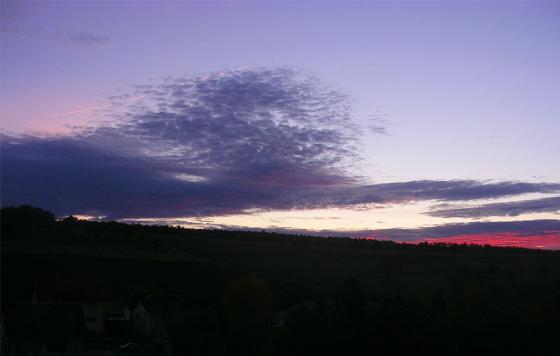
392	120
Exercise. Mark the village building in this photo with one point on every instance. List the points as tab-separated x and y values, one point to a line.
99	306
45	330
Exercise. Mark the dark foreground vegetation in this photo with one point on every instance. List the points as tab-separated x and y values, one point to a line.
106	288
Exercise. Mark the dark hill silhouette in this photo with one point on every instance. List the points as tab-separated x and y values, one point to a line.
256	293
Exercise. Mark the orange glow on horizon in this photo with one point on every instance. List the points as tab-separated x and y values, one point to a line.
549	240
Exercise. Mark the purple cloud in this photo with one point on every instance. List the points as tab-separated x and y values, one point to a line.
233	141
519	228
88	39
544	205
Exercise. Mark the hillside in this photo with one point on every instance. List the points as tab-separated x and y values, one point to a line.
414	290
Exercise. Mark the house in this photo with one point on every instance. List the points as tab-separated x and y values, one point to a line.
98	305
147	318
44	330
105	313
282	315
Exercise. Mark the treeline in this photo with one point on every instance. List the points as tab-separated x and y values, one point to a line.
26	222
452	322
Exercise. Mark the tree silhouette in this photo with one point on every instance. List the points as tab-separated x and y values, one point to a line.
248	312
24	219
350	318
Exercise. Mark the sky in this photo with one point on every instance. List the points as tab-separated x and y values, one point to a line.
393	120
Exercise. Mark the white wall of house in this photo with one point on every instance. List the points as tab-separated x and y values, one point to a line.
141	319
93	316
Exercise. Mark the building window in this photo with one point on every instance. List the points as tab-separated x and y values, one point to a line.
90	319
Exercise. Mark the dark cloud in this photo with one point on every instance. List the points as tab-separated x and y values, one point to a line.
544	205
517	228
403	192
532	233
88	39
270	120
229	142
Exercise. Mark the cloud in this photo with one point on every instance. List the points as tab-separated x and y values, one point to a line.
542	234
528	234
228	142
88	39
521	228
515	208
404	192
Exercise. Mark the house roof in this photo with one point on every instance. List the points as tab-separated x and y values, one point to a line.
158	302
